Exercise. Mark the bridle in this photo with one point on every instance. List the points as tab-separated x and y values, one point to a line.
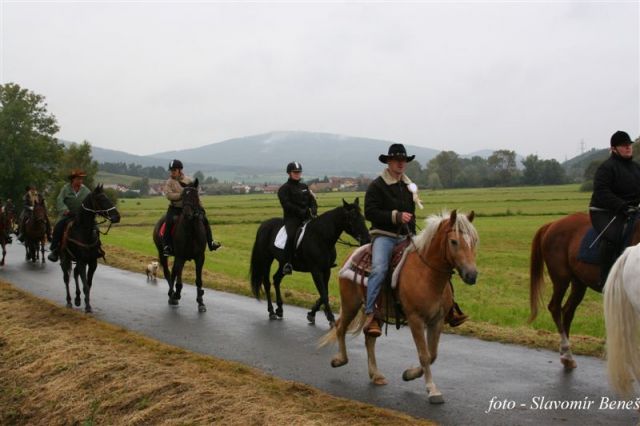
100	212
350	222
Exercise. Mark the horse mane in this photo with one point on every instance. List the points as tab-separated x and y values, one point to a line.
432	223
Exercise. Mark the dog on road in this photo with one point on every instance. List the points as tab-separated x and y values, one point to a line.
152	271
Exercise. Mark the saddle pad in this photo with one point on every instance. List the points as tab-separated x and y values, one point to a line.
281	237
163	228
586	254
358	266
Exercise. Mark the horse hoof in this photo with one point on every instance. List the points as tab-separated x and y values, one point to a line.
279	313
332	324
202	308
337	362
77	302
273	316
569	364
436	399
69	305
88	309
173	302
380	381
311	318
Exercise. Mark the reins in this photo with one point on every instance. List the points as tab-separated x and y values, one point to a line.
450	271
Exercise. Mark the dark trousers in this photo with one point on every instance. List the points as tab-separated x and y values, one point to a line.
291	225
172	214
611	243
58	230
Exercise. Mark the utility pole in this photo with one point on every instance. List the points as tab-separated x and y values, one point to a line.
581	146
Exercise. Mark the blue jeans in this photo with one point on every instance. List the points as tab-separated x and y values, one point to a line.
381	251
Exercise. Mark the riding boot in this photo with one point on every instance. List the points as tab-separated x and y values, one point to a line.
455	316
608	252
167	248
371	326
287	269
213	245
53	255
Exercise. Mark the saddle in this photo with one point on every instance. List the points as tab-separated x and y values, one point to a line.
589	252
358	267
163	229
281	237
64	241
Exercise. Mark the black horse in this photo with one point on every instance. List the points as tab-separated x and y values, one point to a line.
35	230
6	220
81	245
316	254
189	243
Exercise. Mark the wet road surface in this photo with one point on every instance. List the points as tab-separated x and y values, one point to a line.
526	386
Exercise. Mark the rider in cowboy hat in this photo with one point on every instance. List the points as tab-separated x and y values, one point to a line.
173	192
389	205
68	204
615	200
298	204
29	200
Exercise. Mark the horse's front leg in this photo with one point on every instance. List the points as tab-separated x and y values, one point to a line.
66	275
164	262
416	324
76	275
176	279
325	297
42	250
199	264
277	279
374	374
93	265
318	281
82	271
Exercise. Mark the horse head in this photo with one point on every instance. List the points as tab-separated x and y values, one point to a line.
355	224
460	250
99	203
190	200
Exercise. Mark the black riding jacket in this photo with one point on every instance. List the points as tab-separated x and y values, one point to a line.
383	201
616	184
297	200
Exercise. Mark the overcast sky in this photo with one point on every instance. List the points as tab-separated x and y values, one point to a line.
150	76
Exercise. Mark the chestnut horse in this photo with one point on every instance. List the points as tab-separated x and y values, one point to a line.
447	244
622	318
556	245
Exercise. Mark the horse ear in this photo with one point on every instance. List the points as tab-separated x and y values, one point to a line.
453	217
98	188
356	202
196	183
471	215
345	204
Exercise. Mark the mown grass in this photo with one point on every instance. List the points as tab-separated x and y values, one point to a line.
60	367
506	219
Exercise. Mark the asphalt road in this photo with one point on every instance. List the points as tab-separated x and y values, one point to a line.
526	386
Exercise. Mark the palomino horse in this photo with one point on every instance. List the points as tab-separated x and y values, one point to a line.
556	244
447	244
316	254
5	229
35	231
82	244
189	243
622	318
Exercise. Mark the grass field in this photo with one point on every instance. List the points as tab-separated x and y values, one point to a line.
506	219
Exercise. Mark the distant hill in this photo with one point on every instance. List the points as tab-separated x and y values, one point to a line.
320	153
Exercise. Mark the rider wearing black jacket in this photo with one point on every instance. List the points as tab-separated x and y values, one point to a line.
616	194
298	204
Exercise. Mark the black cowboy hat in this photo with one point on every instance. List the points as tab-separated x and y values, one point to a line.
396	151
620	138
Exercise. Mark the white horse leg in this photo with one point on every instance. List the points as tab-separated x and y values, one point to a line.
374	374
419	338
566	357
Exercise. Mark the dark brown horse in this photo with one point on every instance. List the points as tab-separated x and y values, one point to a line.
189	243
5	229
35	231
556	245
446	244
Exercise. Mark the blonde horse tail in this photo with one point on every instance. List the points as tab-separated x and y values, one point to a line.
330	336
621	320
536	272
355	328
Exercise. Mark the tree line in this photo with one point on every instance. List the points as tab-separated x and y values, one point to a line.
132	169
29	152
449	170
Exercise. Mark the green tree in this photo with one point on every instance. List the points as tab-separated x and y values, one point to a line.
30	152
447	166
199	175
141	185
415	173
502	166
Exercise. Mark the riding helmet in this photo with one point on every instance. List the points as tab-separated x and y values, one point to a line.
620	138
294	166
176	164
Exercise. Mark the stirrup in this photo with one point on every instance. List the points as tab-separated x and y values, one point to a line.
371	326
167	250
287	269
